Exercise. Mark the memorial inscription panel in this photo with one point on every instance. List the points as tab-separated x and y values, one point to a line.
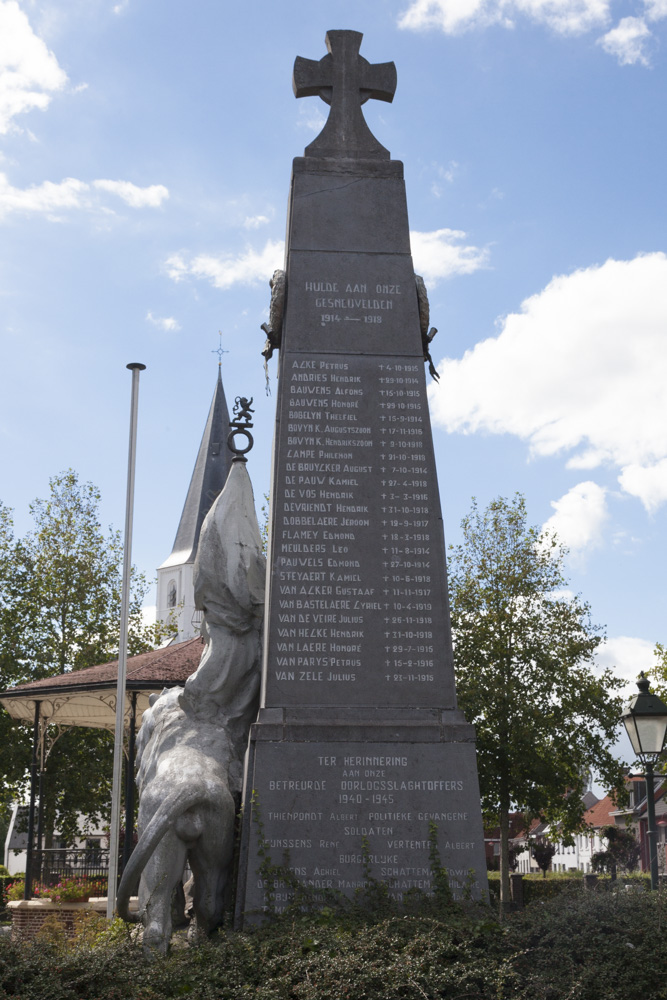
357	574
352	797
351	305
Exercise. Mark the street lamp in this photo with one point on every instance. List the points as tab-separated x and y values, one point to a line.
645	719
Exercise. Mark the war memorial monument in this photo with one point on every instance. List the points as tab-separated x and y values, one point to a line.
358	748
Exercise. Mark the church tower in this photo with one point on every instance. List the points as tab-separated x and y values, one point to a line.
175	587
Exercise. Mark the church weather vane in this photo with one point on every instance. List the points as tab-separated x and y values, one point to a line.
241	424
219	350
345	81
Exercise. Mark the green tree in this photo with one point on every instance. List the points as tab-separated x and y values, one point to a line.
622	852
543	853
658	676
264	525
59	611
523	652
14	740
658	673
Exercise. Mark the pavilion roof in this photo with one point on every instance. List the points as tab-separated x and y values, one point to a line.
88	697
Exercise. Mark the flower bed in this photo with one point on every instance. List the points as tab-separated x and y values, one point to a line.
72	889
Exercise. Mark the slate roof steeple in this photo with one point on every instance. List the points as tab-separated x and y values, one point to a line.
208	478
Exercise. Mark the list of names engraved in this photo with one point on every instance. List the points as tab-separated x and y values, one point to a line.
383	799
357	613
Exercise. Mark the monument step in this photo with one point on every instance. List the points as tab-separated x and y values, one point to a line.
408	725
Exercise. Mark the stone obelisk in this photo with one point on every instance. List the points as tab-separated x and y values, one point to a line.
359	746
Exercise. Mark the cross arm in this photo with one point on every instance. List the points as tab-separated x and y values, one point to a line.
309	76
378	81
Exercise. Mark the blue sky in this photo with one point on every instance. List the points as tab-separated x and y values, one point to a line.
145	154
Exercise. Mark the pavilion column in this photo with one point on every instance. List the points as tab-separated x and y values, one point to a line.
40	817
39	868
31	814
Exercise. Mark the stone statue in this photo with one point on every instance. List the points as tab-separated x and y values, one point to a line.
427	335
274	328
192	740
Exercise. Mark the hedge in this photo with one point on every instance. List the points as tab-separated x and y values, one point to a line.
583	946
537	888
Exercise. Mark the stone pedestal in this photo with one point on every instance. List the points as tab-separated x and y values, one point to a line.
516	890
359	746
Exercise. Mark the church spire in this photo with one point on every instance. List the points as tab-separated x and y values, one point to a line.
208	478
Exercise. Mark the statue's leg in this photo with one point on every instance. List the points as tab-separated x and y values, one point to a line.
160	876
211	860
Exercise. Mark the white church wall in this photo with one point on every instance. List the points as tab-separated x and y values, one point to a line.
180	578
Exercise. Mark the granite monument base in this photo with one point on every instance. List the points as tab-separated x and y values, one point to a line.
332	799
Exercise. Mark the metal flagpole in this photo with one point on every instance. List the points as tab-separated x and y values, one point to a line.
30	852
114	832
129	784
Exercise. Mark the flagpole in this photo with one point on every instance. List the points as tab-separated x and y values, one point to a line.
114	831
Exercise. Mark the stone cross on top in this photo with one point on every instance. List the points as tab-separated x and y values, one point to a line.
345	80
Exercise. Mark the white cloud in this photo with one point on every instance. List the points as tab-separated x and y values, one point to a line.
149	615
255	221
29	73
655	10
446	174
563	594
176	267
581	369
225	270
439	255
135	197
589	459
163	322
311	118
627	657
494	196
454	16
48	197
449	16
649	483
568	17
449	173
579	516
626	41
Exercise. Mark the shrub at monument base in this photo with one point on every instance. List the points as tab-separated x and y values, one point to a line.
588	946
5	881
537	889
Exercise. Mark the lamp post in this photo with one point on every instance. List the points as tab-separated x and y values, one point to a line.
645	719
